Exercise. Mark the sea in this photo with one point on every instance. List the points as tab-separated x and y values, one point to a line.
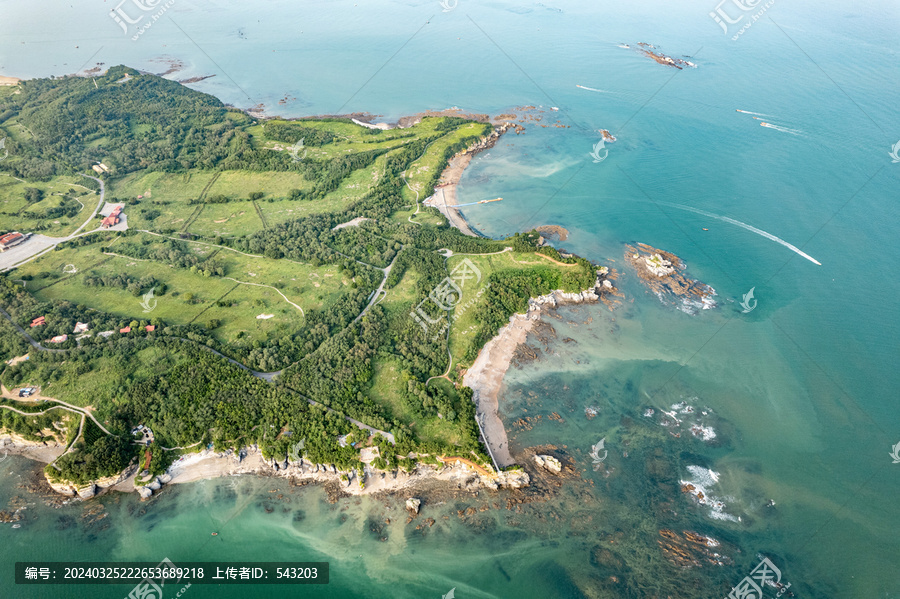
766	427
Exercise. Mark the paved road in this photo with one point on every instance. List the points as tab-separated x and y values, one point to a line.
28	337
380	290
39	244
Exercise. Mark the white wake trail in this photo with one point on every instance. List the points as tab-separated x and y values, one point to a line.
782	129
750	228
591	89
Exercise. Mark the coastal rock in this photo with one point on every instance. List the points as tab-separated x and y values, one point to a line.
413	504
164	478
663	273
144	492
548	462
514	479
87	492
154	486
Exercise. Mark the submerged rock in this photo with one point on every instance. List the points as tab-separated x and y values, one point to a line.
413	504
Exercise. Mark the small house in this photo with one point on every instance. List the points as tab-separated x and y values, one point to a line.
125	330
59	339
39	321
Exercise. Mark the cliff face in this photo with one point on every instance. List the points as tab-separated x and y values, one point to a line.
86	491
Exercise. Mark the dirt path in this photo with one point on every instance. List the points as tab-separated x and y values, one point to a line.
479	469
546	257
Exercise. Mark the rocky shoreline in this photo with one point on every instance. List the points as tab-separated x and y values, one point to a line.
208	464
485	376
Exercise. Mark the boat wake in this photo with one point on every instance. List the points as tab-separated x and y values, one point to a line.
782	129
756	113
591	89
750	228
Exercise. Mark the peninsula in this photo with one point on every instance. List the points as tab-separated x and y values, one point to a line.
220	293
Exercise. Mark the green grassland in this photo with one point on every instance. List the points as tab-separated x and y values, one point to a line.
99	387
15	209
251	286
465	321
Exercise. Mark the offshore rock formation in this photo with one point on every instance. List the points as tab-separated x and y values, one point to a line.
663	273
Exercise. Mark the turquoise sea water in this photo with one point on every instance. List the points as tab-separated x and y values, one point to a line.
802	391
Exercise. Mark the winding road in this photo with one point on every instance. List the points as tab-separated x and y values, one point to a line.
38	245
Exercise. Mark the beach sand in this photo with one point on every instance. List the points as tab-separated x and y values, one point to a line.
485	377
444	197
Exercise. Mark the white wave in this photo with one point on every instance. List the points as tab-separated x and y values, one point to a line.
756	113
750	228
591	89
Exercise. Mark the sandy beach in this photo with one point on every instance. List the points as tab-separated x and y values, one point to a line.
485	377
12	443
444	198
4	80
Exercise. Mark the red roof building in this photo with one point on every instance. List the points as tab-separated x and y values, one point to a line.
59	339
40	320
11	240
125	330
113	218
150	328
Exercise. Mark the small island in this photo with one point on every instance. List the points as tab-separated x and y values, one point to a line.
664	274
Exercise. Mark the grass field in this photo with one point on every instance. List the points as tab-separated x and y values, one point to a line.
100	387
464	323
13	205
251	286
